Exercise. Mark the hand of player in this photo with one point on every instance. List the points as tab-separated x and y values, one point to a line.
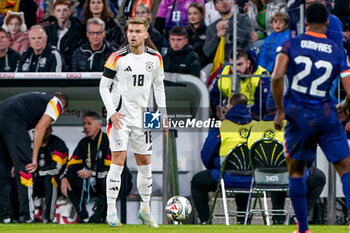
65	186
116	120
279	120
342	109
31	167
347	127
84	174
165	126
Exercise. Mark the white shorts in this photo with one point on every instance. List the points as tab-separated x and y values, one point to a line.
140	141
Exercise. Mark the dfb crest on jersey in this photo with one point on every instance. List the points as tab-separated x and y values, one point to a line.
151	120
149	66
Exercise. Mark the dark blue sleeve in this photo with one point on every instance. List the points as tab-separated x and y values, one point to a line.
335	30
344	68
255	110
214	95
284	48
211	148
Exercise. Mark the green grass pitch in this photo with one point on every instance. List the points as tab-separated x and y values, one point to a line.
103	228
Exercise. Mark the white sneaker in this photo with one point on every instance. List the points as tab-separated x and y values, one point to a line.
113	220
147	218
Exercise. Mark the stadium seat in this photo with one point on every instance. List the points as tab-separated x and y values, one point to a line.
270	174
236	162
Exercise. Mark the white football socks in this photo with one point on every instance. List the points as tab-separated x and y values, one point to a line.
144	186
113	186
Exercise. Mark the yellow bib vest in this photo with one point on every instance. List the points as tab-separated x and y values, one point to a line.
232	134
265	129
248	85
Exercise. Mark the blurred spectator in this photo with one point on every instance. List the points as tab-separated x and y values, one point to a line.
142	10
87	170
100	9
260	13
50	8
247	64
335	26
342	11
127	10
64	34
52	159
216	147
280	33
40	57
172	13
223	27
8	56
40	12
181	57
211	14
92	55
14	24
196	30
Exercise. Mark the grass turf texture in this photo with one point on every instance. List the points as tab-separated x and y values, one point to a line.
102	228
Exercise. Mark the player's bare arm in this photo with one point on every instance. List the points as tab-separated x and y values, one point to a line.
277	85
39	132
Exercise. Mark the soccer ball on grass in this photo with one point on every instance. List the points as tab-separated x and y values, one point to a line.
178	208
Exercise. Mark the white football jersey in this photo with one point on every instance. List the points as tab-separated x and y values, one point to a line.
132	76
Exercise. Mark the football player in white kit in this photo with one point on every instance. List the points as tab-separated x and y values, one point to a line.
125	87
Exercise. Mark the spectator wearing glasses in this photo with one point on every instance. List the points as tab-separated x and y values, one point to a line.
92	55
100	9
